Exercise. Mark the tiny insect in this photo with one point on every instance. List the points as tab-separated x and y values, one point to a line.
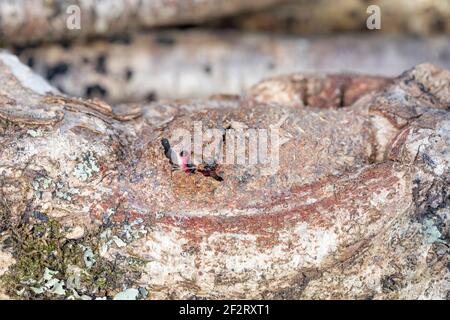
182	161
178	161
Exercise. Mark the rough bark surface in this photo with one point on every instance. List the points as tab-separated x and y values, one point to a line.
358	208
196	64
29	21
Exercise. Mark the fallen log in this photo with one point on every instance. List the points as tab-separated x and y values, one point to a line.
196	64
306	17
30	21
351	200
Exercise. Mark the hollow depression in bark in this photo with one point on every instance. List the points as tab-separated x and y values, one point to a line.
181	187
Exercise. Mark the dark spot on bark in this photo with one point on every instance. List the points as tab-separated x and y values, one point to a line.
428	161
85	60
242	179
30	62
186	26
121	38
411	262
391	283
165	40
428	201
271	66
207	69
57	70
210	170
408	80
354	14
439	24
19	49
291	23
66	44
40	216
151	96
128	74
422	87
296	288
96	90
106	219
101	64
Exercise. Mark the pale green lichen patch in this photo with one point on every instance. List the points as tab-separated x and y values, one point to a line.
134	230
119	234
35	133
88	257
107	239
64	193
432	233
132	294
128	294
87	167
42	183
48	283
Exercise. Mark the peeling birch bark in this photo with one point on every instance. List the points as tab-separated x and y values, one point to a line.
29	21
196	64
362	185
324	16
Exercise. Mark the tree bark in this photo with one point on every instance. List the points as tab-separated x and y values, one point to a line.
93	200
417	17
28	21
196	64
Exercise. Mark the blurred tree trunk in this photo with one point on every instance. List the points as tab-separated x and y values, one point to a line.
324	16
192	64
29	21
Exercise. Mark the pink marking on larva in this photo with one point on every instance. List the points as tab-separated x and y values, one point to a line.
184	162
186	165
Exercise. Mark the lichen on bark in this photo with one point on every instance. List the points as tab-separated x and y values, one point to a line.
94	206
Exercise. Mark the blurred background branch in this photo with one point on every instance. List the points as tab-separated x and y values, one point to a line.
128	50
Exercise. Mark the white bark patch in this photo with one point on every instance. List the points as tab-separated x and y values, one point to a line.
6	260
25	75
